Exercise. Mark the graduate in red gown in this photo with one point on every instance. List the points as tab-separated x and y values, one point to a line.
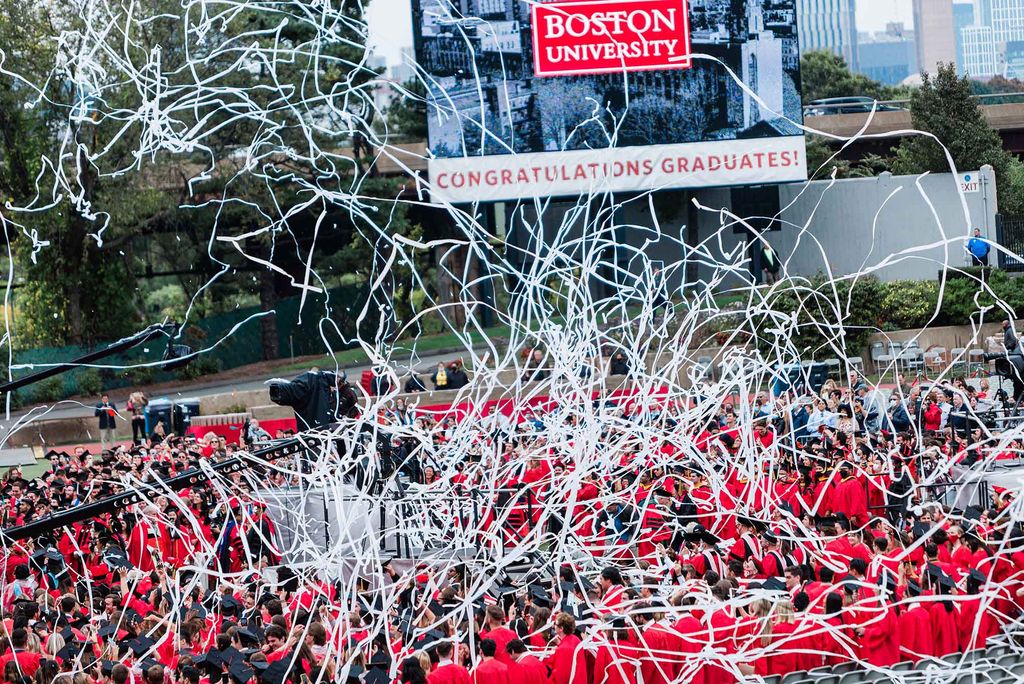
850	497
617	659
945	630
568	663
975	621
692	637
525	668
447	671
915	623
490	670
144	541
495	629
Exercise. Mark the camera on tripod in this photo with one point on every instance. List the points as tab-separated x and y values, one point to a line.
319	398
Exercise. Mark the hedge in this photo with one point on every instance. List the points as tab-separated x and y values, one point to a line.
818	318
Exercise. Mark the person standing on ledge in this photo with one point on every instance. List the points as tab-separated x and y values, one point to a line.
978	247
107	413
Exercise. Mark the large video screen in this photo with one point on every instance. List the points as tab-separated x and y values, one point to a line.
560	98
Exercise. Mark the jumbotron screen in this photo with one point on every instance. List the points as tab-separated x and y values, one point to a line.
565	98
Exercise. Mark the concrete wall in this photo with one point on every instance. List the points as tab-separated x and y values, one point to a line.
881	225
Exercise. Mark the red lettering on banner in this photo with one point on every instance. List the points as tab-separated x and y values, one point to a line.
607	36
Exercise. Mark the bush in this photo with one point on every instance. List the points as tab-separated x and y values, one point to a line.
965	297
89	382
49	390
198	367
909	303
818	318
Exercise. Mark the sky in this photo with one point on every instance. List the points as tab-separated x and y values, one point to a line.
391	22
872	15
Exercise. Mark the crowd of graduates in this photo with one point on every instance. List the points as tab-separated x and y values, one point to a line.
689	543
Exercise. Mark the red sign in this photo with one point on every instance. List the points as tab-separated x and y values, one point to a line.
573	38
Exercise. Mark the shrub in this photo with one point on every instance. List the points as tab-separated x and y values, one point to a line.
198	367
909	303
51	389
89	382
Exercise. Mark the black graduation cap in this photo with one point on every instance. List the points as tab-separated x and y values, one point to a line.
131	617
245	634
240	672
427	640
773	584
107	666
540	596
920	529
977	576
276	673
140	645
692	533
354	673
52	454
913	588
107	630
769	537
211	660
709	538
148	663
231	655
70	651
260	664
380	659
230	602
567	587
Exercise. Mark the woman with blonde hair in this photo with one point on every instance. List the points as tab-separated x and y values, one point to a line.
777	641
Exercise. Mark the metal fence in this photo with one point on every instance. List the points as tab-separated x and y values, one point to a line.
326	322
1010	234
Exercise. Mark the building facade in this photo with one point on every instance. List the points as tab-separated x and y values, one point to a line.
829	25
933	24
979	52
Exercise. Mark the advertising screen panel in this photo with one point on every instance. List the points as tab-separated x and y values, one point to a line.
536	99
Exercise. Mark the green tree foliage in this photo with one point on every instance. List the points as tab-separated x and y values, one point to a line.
407	114
823	161
824	74
944	107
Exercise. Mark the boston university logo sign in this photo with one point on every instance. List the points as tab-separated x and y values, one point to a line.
574	38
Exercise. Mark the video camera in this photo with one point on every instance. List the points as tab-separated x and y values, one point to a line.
318	397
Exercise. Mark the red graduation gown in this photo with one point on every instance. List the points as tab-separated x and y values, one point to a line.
449	674
691	639
491	671
974	630
616	663
850	497
916	633
945	634
568	663
880	643
527	670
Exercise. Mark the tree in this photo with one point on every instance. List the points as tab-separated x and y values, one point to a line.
824	74
944	107
653	120
407	115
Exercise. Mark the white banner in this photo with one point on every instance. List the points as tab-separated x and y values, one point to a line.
622	169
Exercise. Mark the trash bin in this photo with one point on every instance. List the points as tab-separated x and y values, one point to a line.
787	378
817	376
184	410
159	411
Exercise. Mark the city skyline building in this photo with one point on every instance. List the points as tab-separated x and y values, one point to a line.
979	52
829	25
934	30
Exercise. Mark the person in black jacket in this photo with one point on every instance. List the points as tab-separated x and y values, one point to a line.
106	411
